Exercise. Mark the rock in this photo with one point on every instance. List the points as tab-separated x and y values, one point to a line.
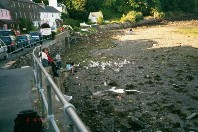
148	77
176	86
157	77
193	115
173	120
136	124
189	78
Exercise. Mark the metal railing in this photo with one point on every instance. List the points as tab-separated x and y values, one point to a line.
73	122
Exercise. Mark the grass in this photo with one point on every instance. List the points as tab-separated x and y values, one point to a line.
190	31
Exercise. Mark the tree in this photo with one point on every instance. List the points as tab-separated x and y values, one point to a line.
25	24
132	17
79	4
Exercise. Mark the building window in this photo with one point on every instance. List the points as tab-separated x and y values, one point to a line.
18	4
6	13
24	15
16	14
20	14
52	15
13	3
1	13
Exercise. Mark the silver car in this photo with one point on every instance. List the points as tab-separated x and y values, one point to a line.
3	50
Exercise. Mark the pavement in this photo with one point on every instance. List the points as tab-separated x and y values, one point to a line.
15	95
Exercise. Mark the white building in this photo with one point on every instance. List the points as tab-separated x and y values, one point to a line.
93	16
60	7
50	15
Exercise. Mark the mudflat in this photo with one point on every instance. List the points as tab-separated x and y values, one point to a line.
160	61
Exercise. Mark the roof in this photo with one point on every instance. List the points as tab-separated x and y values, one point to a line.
5	3
49	9
2	7
28	1
96	14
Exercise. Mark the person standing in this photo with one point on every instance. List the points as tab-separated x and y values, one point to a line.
58	60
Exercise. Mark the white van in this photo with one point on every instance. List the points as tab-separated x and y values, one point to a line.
3	50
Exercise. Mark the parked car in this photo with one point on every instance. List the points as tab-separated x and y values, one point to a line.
26	40
7	32
10	41
37	36
3	50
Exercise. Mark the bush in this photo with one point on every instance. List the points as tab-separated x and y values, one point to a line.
71	22
159	15
25	25
132	17
100	20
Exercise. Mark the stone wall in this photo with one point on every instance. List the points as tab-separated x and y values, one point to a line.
125	25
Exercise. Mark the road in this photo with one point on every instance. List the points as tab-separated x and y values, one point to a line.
15	95
15	90
14	56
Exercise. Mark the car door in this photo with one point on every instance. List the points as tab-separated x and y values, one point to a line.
3	50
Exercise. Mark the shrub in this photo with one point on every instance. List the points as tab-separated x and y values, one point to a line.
132	16
159	15
100	20
71	22
25	24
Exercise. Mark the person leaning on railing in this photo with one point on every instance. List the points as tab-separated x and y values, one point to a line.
47	60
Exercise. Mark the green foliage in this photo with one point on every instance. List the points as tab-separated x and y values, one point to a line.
71	22
159	15
100	20
79	4
25	24
132	17
64	15
113	9
110	14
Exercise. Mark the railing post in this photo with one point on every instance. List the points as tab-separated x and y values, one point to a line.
68	41
49	100
69	124
41	87
34	67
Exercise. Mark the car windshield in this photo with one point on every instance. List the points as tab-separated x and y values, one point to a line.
5	39
21	37
4	33
34	33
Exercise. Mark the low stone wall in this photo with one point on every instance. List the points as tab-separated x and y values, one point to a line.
125	25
